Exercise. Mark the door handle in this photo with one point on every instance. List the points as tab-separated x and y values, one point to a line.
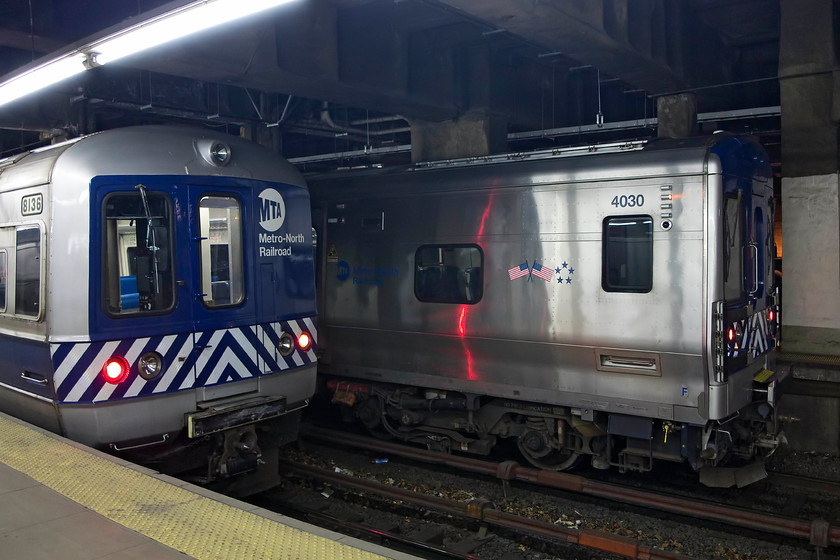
754	257
30	377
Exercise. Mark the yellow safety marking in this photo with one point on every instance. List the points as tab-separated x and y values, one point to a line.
763	375
195	525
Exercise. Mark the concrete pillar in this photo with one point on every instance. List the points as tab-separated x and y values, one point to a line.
810	163
677	115
472	135
811	218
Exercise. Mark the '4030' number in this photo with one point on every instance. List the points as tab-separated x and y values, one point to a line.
628	200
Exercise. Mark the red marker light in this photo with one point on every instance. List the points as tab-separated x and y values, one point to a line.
772	315
304	341
731	335
115	370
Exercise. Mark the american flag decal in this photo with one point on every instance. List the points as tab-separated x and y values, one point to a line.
541	272
519	271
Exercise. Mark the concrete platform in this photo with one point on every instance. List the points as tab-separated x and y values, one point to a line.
60	499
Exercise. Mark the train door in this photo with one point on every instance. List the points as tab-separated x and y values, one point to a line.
743	324
221	290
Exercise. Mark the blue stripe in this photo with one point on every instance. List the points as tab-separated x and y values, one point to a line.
251	353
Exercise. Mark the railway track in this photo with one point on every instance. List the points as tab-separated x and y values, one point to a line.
816	532
485	512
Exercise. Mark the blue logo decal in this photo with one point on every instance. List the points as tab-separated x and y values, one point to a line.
272	210
343	271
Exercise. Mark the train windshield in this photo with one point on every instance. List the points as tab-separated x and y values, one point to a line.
733	247
137	260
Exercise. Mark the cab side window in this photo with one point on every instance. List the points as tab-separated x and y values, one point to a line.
2	281
449	274
27	271
628	254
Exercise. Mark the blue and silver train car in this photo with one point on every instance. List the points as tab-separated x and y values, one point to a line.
157	296
615	303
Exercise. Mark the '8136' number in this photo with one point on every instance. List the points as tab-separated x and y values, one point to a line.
628	201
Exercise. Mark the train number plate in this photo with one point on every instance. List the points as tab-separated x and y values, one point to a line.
231	415
32	205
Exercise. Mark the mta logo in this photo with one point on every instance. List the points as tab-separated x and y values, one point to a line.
343	272
272	210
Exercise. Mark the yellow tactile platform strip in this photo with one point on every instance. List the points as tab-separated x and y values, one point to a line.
187	522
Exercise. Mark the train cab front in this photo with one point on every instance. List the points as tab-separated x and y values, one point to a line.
202	323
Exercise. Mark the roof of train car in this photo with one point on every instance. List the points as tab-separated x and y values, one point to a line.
739	154
146	150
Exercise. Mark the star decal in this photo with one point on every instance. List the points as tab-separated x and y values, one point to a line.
565	266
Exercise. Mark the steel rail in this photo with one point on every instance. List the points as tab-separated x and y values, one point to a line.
817	532
485	511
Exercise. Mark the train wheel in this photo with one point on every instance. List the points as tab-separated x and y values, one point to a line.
539	450
370	414
556	460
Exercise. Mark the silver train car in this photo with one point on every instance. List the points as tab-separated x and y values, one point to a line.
618	305
157	296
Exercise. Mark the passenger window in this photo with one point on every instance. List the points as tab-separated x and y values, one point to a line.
449	273
222	270
28	271
2	281
628	254
137	255
733	247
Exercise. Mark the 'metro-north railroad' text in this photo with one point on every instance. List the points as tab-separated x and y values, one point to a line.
286	238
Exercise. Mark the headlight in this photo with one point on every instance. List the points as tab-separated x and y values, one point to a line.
286	344
220	153
150	365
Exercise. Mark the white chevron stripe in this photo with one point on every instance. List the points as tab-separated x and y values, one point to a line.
310	324
138	383
297	330
228	357
251	369
131	357
205	356
278	330
174	368
70	360
165	344
92	371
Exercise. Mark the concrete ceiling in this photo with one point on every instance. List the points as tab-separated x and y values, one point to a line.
322	76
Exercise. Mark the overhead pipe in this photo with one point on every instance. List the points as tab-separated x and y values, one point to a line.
327	119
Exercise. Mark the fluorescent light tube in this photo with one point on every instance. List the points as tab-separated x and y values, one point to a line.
176	24
42	76
173	25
